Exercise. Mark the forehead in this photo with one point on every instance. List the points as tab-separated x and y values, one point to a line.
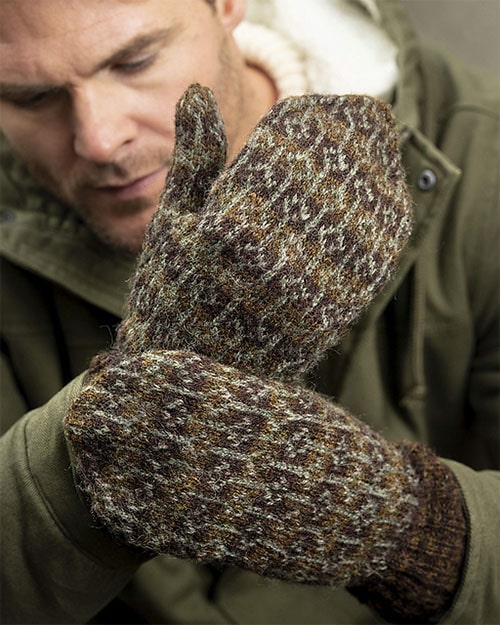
36	35
49	18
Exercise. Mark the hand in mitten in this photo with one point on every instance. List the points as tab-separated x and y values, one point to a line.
264	265
184	456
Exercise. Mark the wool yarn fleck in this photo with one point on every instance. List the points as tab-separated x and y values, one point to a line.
265	266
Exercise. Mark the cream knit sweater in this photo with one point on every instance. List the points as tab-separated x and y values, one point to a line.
332	46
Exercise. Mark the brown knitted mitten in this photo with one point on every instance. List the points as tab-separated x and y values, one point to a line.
265	268
180	455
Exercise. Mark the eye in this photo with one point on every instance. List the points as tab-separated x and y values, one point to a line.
134	67
33	101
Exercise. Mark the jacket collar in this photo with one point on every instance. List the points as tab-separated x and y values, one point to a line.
420	156
43	236
398	27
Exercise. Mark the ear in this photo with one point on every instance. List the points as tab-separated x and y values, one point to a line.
231	12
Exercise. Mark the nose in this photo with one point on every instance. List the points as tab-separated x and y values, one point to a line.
102	123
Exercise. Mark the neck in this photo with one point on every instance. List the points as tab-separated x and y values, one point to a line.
264	90
261	94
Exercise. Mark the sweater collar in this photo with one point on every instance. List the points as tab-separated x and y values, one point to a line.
336	46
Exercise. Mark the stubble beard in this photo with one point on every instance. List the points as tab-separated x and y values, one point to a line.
106	216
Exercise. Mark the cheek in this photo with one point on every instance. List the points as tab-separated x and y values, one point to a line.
196	59
154	110
37	141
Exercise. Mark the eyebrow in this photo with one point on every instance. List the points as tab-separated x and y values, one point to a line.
137	44
11	91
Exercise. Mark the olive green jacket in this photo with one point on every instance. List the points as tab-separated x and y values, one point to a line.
423	363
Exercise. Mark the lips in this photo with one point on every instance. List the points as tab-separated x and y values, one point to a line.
137	188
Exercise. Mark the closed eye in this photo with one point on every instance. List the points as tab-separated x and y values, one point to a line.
32	100
134	67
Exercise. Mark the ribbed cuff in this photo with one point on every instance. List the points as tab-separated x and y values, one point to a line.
425	569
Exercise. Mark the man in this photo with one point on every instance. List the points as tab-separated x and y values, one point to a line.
89	92
120	200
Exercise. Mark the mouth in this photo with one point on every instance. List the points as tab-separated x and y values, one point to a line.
136	188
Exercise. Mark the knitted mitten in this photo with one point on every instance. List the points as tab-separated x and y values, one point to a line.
181	455
265	268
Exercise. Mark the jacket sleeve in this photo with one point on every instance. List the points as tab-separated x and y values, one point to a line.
477	598
56	567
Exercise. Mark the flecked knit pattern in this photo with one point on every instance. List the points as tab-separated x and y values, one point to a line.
289	244
184	456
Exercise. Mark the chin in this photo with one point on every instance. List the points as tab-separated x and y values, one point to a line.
124	237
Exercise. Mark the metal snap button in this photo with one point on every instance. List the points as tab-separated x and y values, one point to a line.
427	180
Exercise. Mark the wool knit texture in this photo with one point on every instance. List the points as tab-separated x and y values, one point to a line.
265	266
191	436
184	456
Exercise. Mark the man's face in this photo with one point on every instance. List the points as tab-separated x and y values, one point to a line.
89	89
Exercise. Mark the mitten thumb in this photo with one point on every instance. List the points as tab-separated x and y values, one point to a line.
199	155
